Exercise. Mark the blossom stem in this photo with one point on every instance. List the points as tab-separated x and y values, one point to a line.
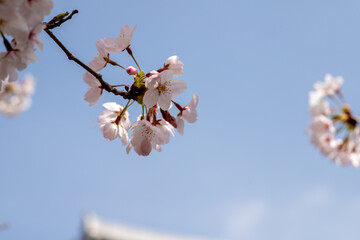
120	66
121	85
126	107
132	55
108	60
177	105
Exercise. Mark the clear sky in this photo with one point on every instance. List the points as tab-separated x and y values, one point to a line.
245	170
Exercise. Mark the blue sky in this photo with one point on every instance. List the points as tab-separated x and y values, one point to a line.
244	170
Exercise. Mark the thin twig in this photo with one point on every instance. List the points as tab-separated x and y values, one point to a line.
57	23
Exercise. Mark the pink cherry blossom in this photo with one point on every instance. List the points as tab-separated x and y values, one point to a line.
21	20
188	114
12	60
114	122
331	112
162	89
131	70
320	107
33	38
152	73
119	44
35	10
100	59
11	21
173	64
147	136
95	90
331	86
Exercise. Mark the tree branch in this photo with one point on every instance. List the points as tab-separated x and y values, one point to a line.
106	86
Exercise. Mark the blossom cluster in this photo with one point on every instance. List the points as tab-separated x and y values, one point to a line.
20	25
154	91
334	129
15	97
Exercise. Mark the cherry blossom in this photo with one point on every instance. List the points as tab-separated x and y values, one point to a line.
35	10
114	122
15	97
154	91
131	70
329	87
162	89
147	136
95	90
334	129
188	114
21	22
119	44
10	61
173	64
152	73
101	58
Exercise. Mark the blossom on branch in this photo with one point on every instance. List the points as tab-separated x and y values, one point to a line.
334	129
154	91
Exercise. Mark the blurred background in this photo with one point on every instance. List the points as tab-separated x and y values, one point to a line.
244	170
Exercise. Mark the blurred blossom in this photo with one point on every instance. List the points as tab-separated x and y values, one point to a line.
334	129
15	97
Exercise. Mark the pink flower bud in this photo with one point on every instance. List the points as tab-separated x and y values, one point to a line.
131	70
153	72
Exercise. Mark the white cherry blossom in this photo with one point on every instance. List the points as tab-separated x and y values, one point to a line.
147	136
114	122
15	97
10	61
15	26
35	10
21	22
334	129
318	107
188	114
100	59
119	44
162	89
173	64
95	90
153	90
331	86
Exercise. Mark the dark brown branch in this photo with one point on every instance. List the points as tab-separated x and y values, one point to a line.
56	22
106	86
